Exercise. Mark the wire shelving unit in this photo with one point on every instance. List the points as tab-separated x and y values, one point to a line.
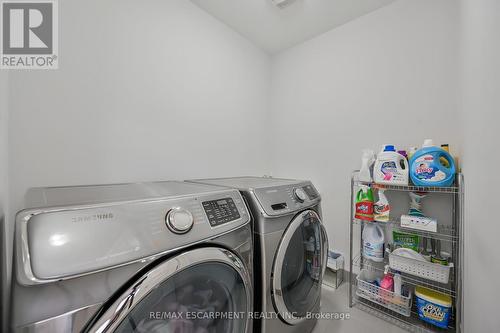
449	233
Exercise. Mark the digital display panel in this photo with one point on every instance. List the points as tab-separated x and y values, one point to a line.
221	211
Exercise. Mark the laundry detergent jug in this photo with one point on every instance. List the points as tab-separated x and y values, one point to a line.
427	167
373	242
390	167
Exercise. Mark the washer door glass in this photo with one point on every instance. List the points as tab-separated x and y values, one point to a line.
299	267
207	297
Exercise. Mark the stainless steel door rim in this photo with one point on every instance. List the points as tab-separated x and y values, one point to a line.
277	291
119	310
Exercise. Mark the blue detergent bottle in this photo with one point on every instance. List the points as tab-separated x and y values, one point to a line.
427	168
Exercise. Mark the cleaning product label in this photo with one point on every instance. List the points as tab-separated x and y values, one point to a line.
373	251
432	313
381	208
389	169
381	212
364	210
409	241
426	170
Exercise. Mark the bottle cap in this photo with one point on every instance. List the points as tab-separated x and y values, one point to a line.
389	148
428	143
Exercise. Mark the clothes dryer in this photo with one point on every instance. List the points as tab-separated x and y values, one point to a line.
150	257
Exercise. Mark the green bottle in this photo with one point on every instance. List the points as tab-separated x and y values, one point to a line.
364	204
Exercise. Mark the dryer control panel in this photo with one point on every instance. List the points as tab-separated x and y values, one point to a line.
281	200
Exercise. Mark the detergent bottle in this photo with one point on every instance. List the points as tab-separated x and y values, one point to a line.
373	242
390	167
428	169
364	204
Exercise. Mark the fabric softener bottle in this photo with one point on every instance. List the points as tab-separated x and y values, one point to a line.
427	167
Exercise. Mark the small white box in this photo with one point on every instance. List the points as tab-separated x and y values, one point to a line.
419	223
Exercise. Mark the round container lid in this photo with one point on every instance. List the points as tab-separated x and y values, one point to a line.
433	296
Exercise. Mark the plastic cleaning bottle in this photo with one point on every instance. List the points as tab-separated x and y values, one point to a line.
367	160
398	283
390	167
404	153
387	281
411	152
426	168
381	209
373	242
444	161
446	147
364	204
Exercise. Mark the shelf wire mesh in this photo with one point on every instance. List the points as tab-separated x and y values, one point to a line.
450	233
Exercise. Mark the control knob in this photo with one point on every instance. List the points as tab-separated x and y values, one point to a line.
179	220
299	194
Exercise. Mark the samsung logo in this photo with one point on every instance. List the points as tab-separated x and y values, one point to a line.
93	218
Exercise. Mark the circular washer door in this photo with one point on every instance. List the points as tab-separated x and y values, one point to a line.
203	290
298	267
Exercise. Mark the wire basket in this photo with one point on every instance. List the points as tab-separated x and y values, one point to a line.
424	269
388	299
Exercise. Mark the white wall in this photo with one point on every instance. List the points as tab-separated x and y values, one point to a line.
145	91
387	77
481	119
4	184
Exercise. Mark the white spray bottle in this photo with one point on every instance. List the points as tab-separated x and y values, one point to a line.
398	283
367	160
382	208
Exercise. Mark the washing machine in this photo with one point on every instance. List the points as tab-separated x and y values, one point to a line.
150	257
291	249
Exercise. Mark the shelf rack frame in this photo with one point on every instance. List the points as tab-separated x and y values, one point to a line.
452	234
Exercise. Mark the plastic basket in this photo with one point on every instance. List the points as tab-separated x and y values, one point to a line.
425	269
397	303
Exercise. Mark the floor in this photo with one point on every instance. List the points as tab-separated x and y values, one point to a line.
336	300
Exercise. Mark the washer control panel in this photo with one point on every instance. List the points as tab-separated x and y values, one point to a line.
221	211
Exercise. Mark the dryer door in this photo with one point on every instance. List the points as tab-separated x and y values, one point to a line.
298	267
203	290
